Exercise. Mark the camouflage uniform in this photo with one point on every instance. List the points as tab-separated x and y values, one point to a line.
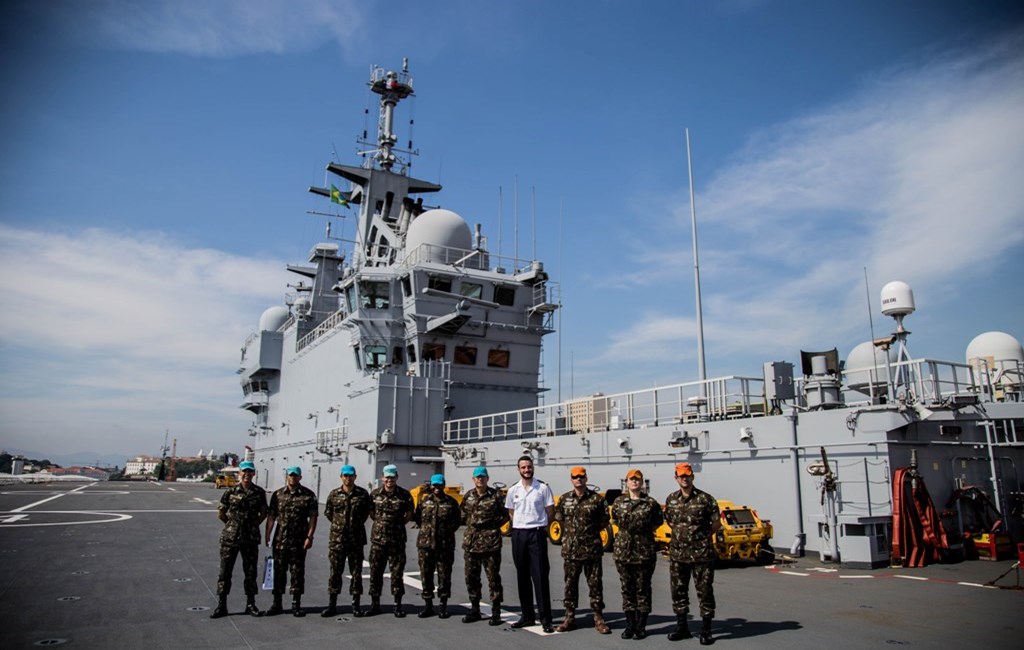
292	510
692	549
483	517
390	511
438	518
583	518
636	553
244	510
347	512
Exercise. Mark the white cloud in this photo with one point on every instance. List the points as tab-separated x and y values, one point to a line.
214	28
108	336
917	177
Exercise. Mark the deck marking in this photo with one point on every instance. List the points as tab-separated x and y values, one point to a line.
209	503
113	518
10	519
795	573
911	577
56	496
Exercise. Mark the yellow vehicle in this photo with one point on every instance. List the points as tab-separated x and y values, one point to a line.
227	477
743	536
607	535
454	491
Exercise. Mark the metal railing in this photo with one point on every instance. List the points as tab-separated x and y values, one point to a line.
714	399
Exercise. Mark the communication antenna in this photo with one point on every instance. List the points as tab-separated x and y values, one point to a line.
898	302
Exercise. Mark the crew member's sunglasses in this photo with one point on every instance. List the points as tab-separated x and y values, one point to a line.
579	476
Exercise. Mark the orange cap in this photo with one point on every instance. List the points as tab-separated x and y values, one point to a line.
578	470
684	468
634	472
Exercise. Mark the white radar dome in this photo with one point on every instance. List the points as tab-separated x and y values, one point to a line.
897	299
273	318
438	229
999	352
866	367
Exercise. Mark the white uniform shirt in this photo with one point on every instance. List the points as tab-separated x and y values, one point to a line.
528	505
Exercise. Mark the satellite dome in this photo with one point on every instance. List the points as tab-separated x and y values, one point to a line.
998	345
999	352
439	229
866	367
273	318
897	299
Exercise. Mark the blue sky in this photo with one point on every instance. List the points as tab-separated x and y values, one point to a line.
155	157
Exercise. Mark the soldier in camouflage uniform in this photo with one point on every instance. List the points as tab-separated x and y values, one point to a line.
293	509
347	508
694	518
242	509
391	511
583	515
437	515
637	516
483	514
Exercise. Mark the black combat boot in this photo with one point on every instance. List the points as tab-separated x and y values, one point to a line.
357	611
474	611
630	623
332	607
222	607
682	630
428	609
640	627
276	608
297	607
442	610
250	606
399	610
705	632
374	606
495	613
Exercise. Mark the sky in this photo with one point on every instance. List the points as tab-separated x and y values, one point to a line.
155	155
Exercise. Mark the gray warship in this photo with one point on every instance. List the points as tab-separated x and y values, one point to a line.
415	345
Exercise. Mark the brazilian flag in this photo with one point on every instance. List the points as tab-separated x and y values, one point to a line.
336	197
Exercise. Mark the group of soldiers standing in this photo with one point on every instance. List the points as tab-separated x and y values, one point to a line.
291	521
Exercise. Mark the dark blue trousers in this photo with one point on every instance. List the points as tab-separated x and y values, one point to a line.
530	555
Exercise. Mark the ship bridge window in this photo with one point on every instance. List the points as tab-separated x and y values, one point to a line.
505	295
465	355
441	283
498	358
350	299
375	295
472	290
411	351
433	351
375	356
407	286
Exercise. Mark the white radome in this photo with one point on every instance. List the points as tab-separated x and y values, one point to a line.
439	229
273	318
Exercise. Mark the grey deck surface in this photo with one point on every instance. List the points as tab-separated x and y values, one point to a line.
123	565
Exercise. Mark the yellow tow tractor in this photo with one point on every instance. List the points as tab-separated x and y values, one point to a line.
607	535
227	477
743	536
454	491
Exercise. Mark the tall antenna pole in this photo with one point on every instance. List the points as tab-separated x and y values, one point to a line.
701	368
561	278
515	223
533	217
499	225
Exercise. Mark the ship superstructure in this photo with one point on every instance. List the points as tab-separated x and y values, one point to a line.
415	323
815	447
415	345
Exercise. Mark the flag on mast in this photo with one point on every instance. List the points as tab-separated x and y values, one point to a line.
337	197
